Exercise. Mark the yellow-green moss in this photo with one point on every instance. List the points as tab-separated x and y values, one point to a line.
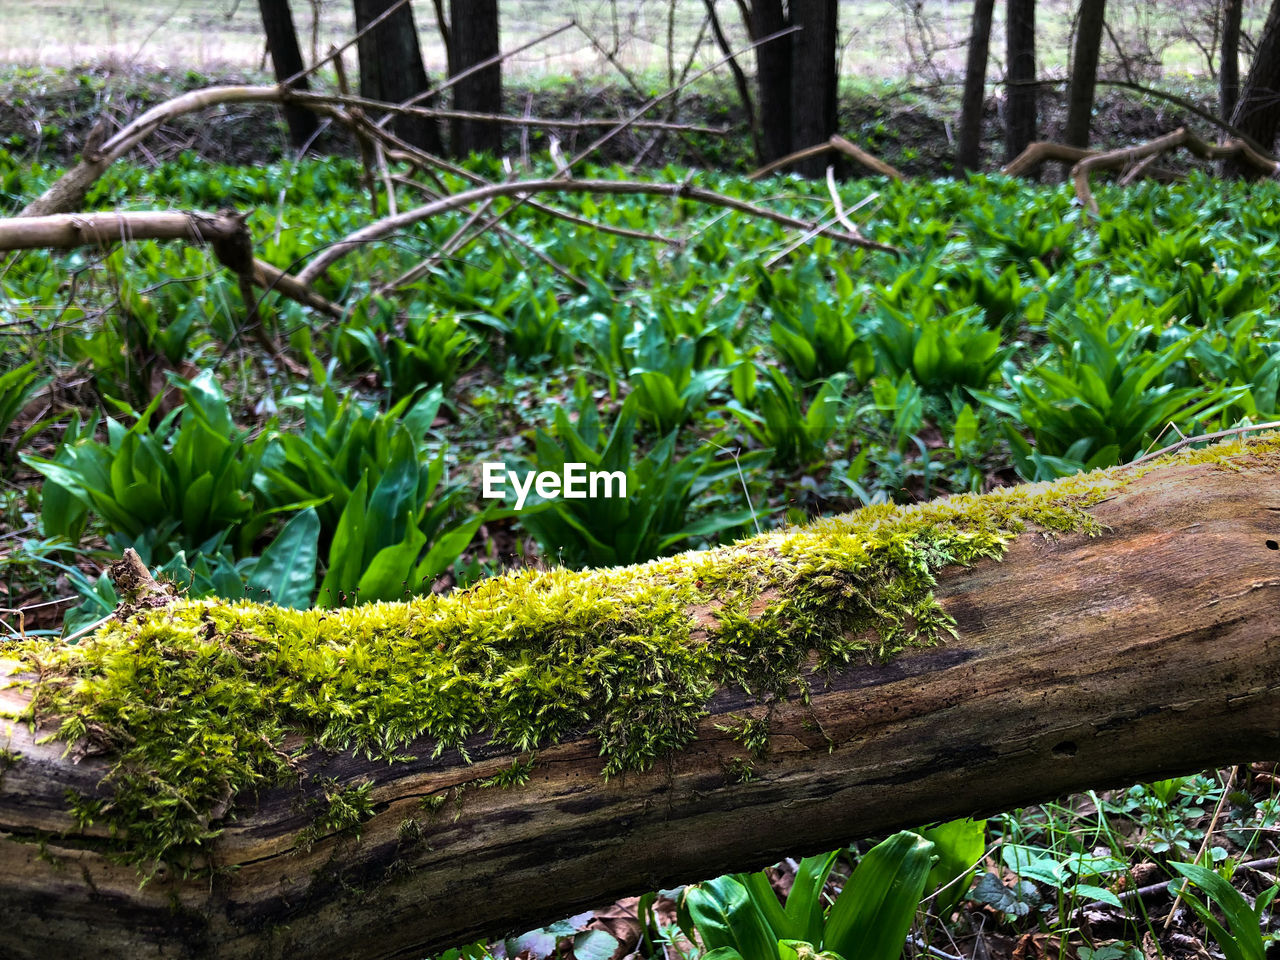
193	701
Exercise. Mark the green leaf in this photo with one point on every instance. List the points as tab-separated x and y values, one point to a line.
286	571
872	916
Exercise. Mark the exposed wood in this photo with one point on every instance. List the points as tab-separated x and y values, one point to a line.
838	144
225	232
1237	151
1149	651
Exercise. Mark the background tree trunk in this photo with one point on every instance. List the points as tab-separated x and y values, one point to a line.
1079	662
286	59
391	68
1258	112
969	149
1084	71
1020	76
813	79
773	78
473	38
1229	69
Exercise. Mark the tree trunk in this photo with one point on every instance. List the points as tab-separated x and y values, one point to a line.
773	78
813	79
1084	71
969	149
286	59
1139	648
391	68
1020	95
473	39
1229	69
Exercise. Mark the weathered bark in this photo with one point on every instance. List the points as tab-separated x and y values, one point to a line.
773	78
1084	71
391	68
969	147
1257	114
813	78
1229	67
1020	76
1147	651
473	39
286	59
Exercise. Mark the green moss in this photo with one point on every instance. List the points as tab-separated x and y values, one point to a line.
194	700
343	809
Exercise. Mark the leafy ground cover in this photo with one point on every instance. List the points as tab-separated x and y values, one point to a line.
1012	339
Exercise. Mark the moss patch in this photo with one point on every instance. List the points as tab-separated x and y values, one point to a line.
193	701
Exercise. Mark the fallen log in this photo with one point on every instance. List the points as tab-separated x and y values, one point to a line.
392	779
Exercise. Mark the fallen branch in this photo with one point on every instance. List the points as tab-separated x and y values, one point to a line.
956	658
1040	152
840	145
1182	137
676	191
225	232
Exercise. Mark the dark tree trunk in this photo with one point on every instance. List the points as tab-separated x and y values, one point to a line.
391	67
773	78
1084	71
1020	95
969	151
474	39
813	79
286	59
1229	71
1257	115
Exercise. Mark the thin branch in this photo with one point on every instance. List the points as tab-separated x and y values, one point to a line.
677	191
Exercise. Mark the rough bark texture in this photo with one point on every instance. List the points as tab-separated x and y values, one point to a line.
1257	115
969	148
773	78
1229	66
286	59
1148	651
473	39
391	68
1020	78
1084	71
813	79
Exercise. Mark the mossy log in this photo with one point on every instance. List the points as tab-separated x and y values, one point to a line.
776	697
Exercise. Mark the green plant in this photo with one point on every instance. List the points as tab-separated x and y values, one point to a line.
343	442
668	386
940	353
661	488
17	388
180	483
1241	938
771	412
432	351
1101	398
819	337
741	916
